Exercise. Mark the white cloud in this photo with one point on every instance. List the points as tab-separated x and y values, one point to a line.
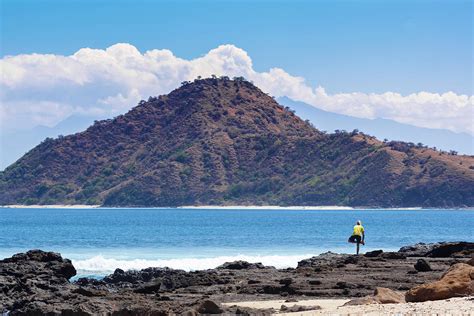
40	89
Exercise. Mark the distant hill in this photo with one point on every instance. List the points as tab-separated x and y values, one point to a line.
383	128
16	144
220	141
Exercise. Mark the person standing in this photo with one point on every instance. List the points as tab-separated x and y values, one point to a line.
358	235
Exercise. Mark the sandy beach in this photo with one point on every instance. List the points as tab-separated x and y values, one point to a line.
453	306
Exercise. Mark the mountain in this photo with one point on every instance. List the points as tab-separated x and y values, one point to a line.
16	144
382	128
221	141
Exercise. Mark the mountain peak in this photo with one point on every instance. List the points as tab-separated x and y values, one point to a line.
222	141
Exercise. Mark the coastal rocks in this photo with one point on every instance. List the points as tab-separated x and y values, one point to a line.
422	265
381	296
455	249
373	254
388	296
209	307
457	281
241	265
298	308
37	282
439	250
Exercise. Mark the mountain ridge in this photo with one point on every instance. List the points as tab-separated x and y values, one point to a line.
223	142
441	139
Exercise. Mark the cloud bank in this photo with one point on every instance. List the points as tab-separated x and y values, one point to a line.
43	89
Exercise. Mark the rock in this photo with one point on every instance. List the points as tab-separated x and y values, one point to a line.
457	281
422	265
381	296
239	310
241	265
352	260
372	254
251	281
387	296
152	287
416	250
191	312
471	261
452	249
298	308
314	282
367	300
439	250
393	255
209	307
286	281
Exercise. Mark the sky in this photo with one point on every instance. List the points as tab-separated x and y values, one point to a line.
409	61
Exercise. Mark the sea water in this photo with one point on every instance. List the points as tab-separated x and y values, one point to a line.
101	239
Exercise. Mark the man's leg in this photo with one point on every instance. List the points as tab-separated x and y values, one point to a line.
357	247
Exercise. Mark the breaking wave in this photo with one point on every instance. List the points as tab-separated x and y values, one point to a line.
100	265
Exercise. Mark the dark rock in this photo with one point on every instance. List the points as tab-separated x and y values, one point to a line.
253	281
298	308
314	282
393	255
416	250
241	265
452	249
471	261
372	254
149	288
344	285
352	260
286	281
422	265
209	307
439	250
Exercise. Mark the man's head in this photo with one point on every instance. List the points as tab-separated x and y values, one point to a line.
359	222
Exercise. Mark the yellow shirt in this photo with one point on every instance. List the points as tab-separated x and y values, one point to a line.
358	230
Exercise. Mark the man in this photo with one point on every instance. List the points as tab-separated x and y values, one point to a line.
358	235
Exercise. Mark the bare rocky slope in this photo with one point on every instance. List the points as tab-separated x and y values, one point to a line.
221	141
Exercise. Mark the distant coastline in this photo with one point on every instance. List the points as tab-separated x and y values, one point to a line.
233	207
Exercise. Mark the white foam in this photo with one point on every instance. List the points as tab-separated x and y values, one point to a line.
102	265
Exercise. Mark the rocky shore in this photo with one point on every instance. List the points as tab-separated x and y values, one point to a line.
38	283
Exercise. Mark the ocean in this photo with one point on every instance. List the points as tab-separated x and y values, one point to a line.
99	240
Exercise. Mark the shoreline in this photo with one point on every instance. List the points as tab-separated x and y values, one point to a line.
329	283
326	284
237	207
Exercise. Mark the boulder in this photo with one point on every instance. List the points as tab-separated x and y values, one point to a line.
372	254
286	281
452	249
439	250
457	281
387	296
209	307
422	265
381	295
241	265
298	308
471	262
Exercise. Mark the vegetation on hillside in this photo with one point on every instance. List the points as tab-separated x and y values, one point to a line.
222	141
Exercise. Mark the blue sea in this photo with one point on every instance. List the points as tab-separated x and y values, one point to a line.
101	239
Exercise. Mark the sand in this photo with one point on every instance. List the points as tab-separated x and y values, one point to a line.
75	206
453	306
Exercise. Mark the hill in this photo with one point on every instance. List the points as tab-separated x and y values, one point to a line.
383	128
221	141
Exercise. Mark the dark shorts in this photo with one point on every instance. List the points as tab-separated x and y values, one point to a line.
355	238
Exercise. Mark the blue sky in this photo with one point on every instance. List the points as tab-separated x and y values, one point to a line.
345	46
